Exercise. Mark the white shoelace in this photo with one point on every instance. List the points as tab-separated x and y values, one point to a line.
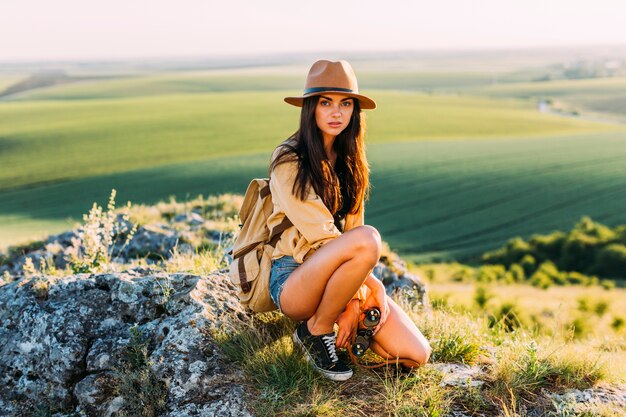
330	341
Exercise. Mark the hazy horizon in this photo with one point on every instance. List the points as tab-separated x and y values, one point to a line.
70	30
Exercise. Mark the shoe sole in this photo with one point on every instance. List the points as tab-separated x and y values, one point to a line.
330	375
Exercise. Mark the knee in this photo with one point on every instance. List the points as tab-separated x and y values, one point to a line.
368	242
423	354
419	356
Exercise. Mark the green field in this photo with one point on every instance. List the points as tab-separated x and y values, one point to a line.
453	175
601	95
55	140
222	81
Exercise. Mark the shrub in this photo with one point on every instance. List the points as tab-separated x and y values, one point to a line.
28	268
547	247
611	261
507	317
525	372
482	296
577	278
541	280
511	252
41	286
517	272
618	323
545	275
455	348
490	273
579	327
607	284
583	304
462	273
528	264
578	252
6	277
92	250
144	394
601	307
440	302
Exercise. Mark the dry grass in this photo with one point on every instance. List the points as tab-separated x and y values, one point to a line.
518	368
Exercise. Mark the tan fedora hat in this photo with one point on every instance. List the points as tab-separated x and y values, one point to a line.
332	77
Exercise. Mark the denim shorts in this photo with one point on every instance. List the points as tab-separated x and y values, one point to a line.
281	269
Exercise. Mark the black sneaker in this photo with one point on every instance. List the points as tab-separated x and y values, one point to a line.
321	352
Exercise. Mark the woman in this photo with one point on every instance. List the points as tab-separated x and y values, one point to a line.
322	265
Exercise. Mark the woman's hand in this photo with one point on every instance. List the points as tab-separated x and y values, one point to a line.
347	322
377	298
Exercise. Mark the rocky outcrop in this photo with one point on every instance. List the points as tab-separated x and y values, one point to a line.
138	342
77	343
154	242
392	271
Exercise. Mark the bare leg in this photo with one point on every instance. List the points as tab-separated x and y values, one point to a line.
320	288
399	337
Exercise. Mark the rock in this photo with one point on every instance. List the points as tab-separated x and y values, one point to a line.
95	396
192	218
574	400
68	349
394	274
459	375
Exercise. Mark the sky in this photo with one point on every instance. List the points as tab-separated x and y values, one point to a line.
118	29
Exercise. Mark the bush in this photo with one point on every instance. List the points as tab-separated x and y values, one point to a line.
541	280
528	264
524	373
601	307
512	252
589	248
577	278
611	261
490	273
517	272
455	348
144	394
547	247
578	252
440	302
482	296
618	323
507	317
579	327
607	284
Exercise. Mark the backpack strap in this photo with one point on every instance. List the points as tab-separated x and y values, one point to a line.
274	236
278	230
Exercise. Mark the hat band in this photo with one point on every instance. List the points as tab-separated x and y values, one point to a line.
322	89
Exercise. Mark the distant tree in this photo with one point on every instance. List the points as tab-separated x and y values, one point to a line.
610	261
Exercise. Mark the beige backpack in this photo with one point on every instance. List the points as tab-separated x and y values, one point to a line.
252	251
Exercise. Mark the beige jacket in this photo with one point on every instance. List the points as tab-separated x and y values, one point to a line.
313	224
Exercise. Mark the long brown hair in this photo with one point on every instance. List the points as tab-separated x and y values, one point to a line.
343	189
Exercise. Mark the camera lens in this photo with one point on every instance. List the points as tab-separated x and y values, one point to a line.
358	349
372	317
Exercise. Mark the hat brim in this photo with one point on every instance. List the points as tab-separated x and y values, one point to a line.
364	101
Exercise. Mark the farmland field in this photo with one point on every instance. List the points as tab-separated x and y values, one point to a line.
601	95
453	175
56	140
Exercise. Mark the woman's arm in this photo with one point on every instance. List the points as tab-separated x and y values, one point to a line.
347	323
377	298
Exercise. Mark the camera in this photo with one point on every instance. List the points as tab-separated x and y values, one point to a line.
363	335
